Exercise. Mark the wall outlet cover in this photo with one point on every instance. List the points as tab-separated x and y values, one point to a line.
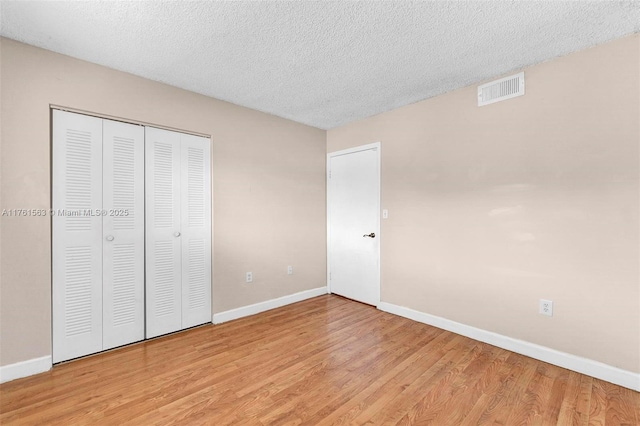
546	307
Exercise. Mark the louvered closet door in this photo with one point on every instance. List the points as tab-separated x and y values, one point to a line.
196	230
163	235
77	231
123	233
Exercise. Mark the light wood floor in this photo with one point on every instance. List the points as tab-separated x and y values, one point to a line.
324	361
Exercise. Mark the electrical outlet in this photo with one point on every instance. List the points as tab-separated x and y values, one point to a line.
249	277
546	307
289	270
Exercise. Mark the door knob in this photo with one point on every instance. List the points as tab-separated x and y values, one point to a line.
371	235
109	237
177	233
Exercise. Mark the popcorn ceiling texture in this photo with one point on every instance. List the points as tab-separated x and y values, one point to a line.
319	63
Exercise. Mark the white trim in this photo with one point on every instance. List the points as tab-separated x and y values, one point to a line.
373	145
599	370
267	305
126	120
376	146
25	368
328	214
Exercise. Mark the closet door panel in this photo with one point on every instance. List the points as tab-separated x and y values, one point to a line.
196	230
123	233
163	235
77	232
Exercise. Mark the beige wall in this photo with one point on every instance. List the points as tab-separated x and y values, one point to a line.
493	208
268	187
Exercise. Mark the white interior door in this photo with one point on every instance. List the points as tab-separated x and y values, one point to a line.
196	229
354	223
77	229
123	233
163	232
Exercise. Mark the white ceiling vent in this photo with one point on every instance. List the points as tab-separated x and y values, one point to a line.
500	90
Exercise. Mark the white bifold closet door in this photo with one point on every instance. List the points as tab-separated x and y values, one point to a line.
123	234
178	231
98	234
77	235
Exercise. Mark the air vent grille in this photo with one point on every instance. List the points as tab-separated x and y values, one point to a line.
500	90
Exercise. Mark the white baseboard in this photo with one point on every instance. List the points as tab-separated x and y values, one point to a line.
267	305
599	370
25	368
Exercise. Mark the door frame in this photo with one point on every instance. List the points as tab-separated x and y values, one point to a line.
57	107
377	147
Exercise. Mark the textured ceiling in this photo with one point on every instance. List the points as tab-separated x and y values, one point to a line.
318	63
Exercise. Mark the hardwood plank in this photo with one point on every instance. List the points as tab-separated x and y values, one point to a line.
387	386
621	409
541	393
403	378
583	400
360	375
442	402
474	382
392	356
598	404
492	396
323	361
575	406
435	381
556	398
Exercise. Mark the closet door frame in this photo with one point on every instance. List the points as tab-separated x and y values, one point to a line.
57	228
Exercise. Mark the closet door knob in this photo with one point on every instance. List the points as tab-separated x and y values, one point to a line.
109	237
177	234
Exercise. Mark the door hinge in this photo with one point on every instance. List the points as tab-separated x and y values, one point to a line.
329	174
